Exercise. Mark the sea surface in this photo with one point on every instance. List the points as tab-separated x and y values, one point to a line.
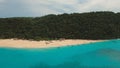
94	55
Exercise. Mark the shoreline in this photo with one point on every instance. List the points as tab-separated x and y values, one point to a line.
43	44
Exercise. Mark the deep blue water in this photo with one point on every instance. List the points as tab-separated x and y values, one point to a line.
94	55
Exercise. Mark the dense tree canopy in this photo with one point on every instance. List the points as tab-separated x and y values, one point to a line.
92	25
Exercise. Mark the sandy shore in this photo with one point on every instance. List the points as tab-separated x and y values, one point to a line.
42	44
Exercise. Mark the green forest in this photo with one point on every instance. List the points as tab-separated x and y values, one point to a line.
89	25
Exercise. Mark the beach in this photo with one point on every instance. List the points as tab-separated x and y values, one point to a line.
42	44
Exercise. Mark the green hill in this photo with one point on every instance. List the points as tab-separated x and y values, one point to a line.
92	25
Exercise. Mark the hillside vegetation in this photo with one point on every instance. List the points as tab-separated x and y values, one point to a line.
92	25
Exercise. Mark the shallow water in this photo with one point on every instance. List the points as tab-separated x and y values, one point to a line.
94	55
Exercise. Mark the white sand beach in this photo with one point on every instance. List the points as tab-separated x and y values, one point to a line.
42	44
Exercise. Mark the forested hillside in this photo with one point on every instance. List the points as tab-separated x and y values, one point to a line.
92	25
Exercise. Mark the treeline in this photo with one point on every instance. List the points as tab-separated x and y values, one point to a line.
92	25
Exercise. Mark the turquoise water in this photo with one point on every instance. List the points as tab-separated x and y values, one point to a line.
94	55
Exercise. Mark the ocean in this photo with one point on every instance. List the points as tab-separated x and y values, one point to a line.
94	55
